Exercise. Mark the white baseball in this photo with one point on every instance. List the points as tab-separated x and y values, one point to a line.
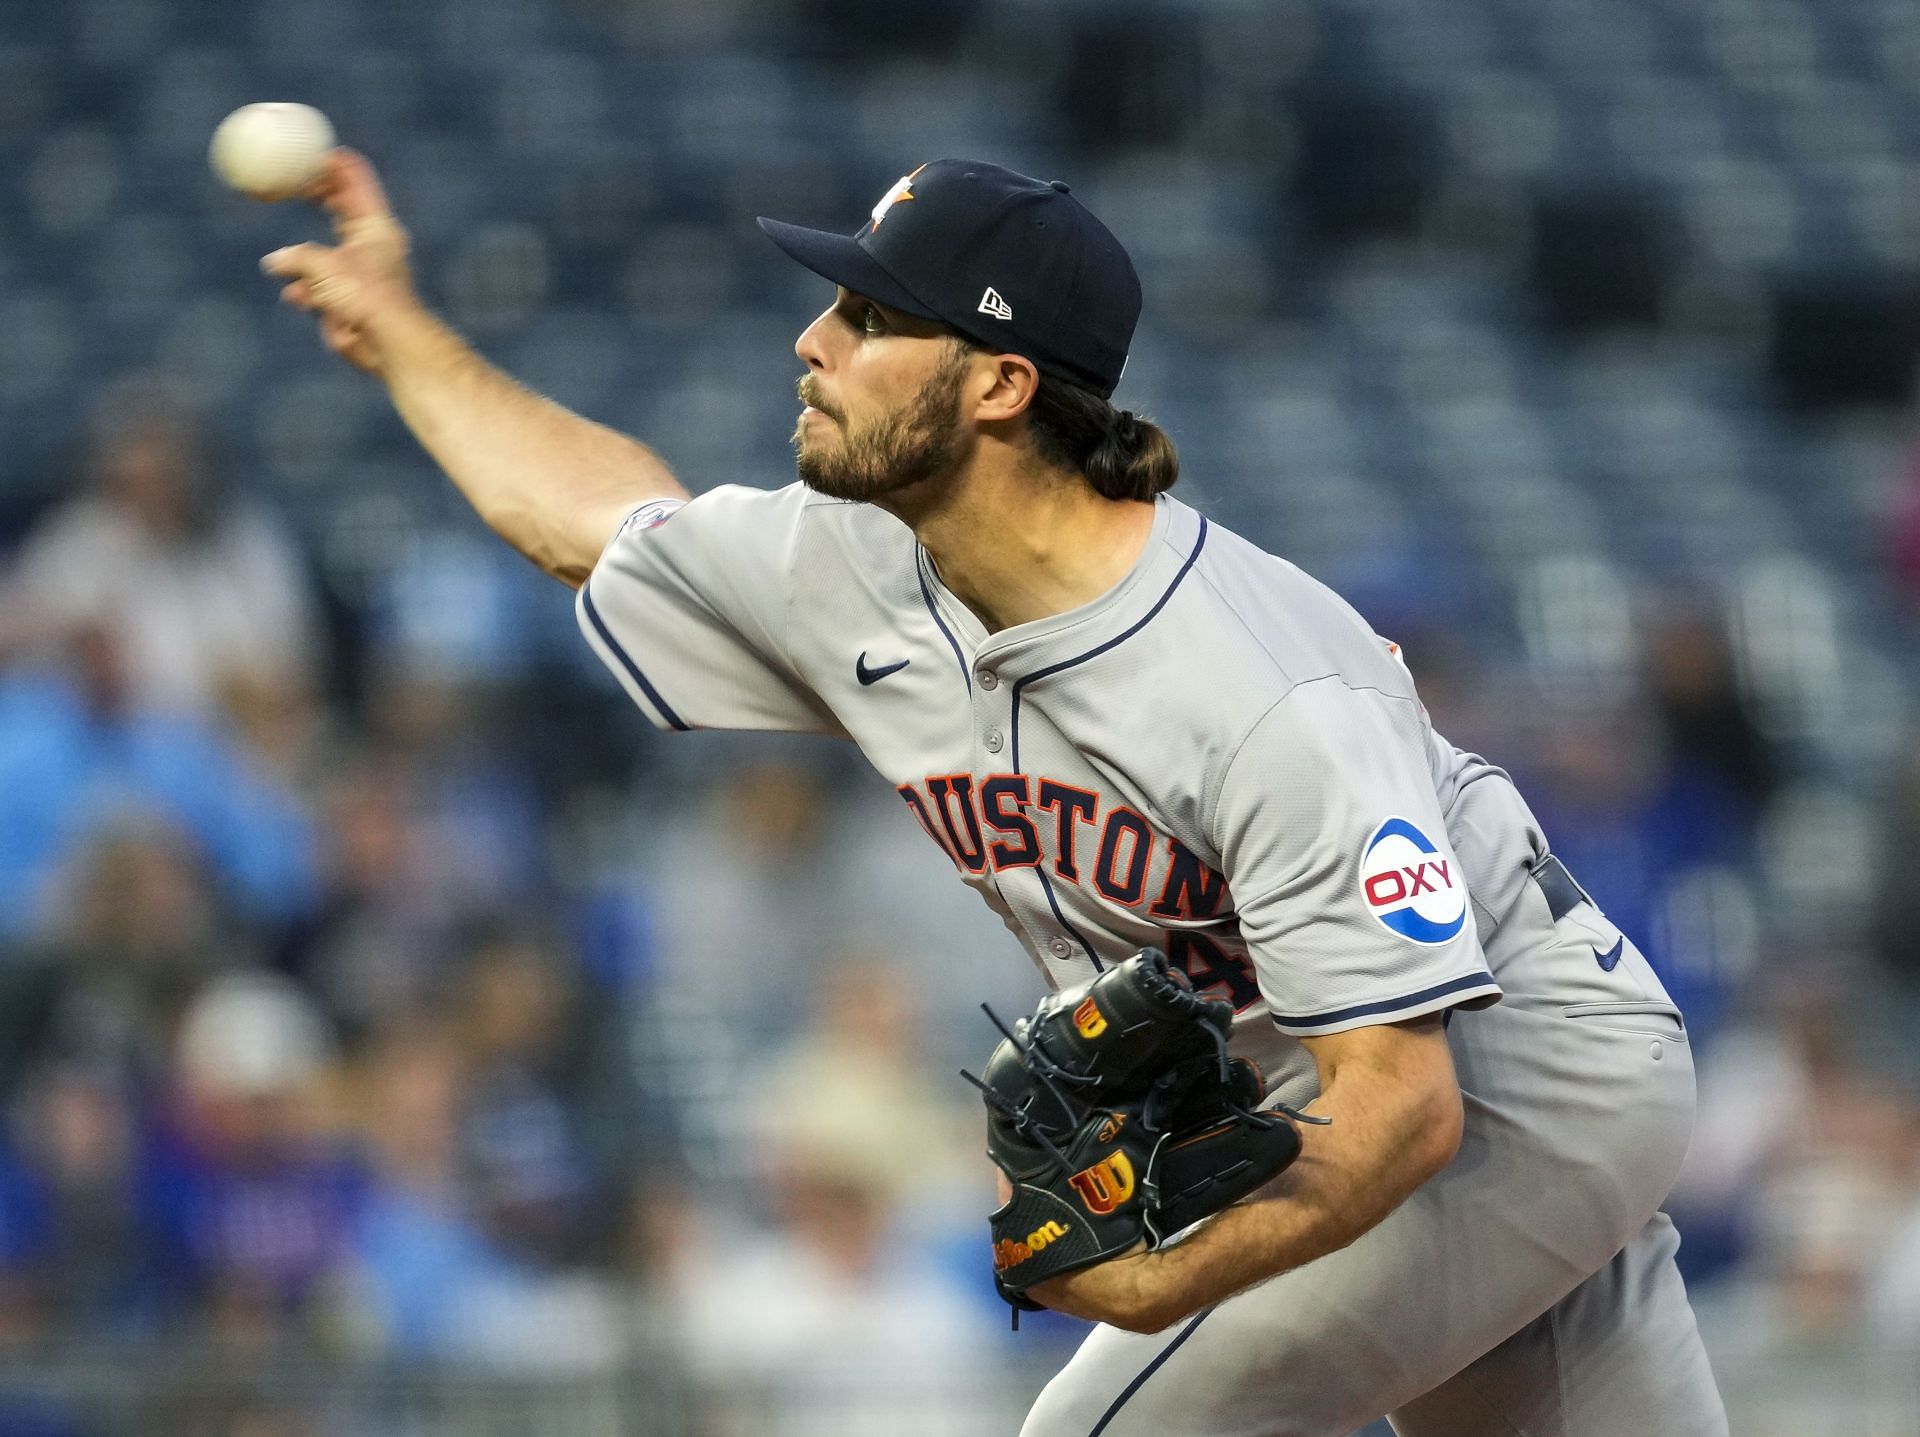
272	150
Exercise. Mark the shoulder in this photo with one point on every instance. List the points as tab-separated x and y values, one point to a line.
734	524
743	514
786	545
1276	626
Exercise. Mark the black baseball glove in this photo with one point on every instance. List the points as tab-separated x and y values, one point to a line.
1118	1117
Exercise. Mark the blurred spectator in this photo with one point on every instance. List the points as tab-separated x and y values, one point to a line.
1653	798
419	1256
546	1114
836	1295
74	1238
1713	744
391	908
757	887
252	1186
138	930
1813	1151
24	1222
77	754
728	872
1894	931
430	1281
474	797
1893	1290
831	1318
1631	827
855	1081
198	591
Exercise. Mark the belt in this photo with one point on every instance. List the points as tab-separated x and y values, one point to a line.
1562	893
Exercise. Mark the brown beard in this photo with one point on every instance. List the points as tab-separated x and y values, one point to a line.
916	442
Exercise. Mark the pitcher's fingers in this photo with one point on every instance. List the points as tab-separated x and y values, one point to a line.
299	295
319	190
338	336
296	261
349	190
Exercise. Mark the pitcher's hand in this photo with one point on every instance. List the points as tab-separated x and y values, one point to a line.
361	283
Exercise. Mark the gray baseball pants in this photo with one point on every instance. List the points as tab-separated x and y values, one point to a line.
1526	1290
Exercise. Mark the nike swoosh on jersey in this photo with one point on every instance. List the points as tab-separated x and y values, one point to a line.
1611	957
873	676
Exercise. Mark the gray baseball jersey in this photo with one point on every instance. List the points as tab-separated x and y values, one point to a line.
1220	758
1217	757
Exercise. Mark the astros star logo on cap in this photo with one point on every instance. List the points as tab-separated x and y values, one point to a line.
901	191
1017	265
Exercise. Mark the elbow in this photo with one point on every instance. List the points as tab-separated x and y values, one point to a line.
1148	1321
555	553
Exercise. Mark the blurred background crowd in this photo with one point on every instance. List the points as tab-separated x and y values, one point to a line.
382	1000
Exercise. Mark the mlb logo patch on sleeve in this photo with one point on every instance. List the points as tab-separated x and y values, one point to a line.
1411	887
651	515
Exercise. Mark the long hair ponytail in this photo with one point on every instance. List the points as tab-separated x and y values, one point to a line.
1122	454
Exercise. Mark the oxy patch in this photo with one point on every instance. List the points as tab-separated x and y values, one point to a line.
1411	887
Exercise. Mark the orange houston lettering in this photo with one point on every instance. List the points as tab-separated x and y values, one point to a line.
996	793
1105	1185
996	822
952	795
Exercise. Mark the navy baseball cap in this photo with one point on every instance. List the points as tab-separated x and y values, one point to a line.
1016	264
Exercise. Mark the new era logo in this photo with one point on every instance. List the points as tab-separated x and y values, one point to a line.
991	303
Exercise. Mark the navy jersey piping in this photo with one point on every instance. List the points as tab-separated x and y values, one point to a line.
1019	684
1046	887
1340	1015
926	596
626	661
1013	724
1146	1372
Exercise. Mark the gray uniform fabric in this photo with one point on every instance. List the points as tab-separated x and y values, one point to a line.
1218	757
1527	1289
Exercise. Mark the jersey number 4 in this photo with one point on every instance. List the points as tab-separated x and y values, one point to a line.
1213	970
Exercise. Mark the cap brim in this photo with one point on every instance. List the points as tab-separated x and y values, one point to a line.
842	259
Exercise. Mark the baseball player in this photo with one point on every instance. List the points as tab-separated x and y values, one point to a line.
1128	727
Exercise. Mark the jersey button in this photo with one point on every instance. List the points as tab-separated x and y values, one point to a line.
988	679
1059	947
992	740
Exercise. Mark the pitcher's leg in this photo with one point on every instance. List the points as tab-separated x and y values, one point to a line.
1109	1373
1555	1175
1239	1370
1619	1356
1324	1349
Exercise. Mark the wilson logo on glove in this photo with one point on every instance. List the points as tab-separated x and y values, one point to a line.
1008	1254
1088	1020
1105	1185
1117	1098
